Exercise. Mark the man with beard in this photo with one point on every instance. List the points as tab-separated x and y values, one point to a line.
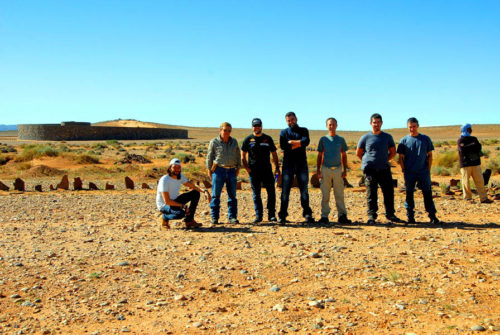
258	146
293	142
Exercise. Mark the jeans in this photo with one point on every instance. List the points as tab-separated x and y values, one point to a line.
373	179
220	177
332	178
424	179
175	212
302	173
266	179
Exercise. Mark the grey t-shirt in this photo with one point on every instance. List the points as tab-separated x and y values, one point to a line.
376	150
332	146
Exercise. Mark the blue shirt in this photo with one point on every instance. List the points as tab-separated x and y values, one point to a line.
376	148
332	146
415	151
297	156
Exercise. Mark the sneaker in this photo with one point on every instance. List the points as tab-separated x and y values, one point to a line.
233	220
394	219
344	219
371	221
435	220
309	219
486	201
282	221
165	224
324	220
273	219
193	224
257	220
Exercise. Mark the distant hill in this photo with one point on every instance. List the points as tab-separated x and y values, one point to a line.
6	127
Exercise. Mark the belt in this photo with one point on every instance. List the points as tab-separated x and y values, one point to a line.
332	167
227	167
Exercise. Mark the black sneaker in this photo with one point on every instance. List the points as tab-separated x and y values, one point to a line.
435	220
344	219
282	221
371	221
273	219
324	220
257	220
394	219
309	219
233	220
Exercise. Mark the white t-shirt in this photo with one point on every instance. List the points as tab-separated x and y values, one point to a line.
170	185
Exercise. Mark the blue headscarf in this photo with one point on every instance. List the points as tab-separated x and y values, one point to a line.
464	128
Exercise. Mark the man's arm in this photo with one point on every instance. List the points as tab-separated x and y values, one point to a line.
392	153
284	145
244	160
170	202
210	157
319	162
305	140
360	152
276	162
402	162
429	159
344	163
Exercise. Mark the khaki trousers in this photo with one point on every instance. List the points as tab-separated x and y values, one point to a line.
332	178
476	174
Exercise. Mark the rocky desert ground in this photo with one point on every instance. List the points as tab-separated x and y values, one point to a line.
98	262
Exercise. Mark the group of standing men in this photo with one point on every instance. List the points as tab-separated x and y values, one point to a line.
375	149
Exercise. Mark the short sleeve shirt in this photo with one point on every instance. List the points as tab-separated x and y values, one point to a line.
332	147
376	148
259	149
415	149
170	185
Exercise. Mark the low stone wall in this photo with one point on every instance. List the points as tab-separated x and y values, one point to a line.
76	132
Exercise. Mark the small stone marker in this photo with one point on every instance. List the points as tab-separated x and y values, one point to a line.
64	184
145	186
92	186
238	185
3	187
38	188
77	184
315	181
454	182
207	184
346	183
51	187
19	185
129	183
109	186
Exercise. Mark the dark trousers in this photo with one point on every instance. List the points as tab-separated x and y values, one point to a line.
424	180
373	179
266	179
302	173
175	212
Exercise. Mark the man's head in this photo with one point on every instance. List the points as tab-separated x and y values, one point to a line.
376	122
413	125
174	168
257	126
331	125
291	119
225	131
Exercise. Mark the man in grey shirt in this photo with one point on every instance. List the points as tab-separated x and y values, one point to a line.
223	164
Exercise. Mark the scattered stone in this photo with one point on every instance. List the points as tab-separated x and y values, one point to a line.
129	183
346	183
145	186
314	255
279	308
125	330
123	263
207	184
238	185
275	288
77	184
38	188
93	187
454	182
478	328
315	181
3	187
316	304
19	185
180	297
109	186
64	184
133	158
27	304
51	187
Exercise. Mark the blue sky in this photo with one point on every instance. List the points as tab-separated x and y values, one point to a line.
200	63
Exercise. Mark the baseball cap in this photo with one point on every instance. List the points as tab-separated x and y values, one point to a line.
175	161
256	122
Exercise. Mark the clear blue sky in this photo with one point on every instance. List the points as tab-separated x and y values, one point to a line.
199	63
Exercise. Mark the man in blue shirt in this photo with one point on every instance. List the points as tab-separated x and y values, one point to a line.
415	158
331	170
293	142
376	149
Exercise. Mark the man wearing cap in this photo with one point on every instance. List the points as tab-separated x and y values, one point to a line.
171	204
258	146
331	170
223	164
293	142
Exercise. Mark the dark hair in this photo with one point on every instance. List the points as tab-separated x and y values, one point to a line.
376	116
290	114
170	172
331	118
412	120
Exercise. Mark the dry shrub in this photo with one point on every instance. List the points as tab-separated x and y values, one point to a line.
446	159
86	159
43	170
32	151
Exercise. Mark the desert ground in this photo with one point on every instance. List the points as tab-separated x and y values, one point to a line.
98	262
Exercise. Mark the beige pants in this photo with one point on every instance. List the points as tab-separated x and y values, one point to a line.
332	178
476	174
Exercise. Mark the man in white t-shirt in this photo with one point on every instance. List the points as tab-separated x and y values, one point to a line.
171	204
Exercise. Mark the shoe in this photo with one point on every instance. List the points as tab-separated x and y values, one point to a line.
371	221
411	219
435	220
193	224
486	201
215	221
309	219
273	219
344	219
233	220
165	224
324	220
394	219
282	221
257	220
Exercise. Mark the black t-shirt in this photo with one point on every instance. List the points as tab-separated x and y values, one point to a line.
259	149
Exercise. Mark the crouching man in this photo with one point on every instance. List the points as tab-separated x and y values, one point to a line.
171	204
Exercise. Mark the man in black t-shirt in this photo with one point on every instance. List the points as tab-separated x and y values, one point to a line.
258	146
